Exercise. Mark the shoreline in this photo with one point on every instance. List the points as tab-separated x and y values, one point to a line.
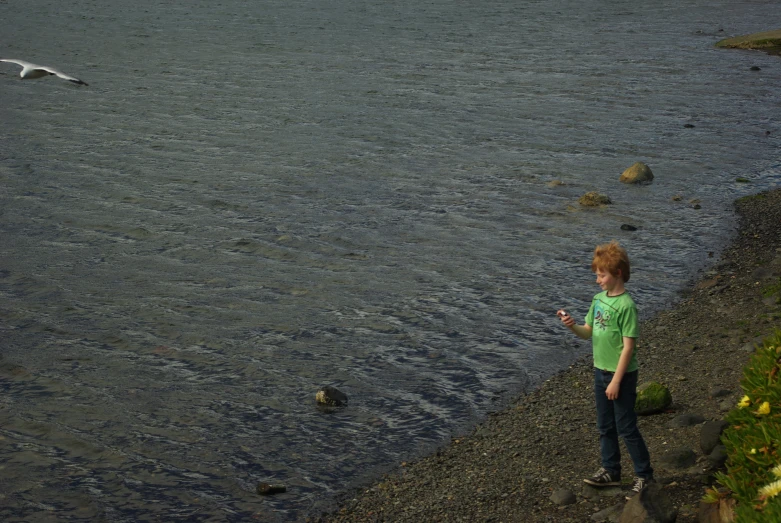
508	466
767	41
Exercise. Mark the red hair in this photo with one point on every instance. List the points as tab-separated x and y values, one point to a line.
612	258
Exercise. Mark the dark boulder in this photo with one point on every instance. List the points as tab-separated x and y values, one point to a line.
710	435
331	397
267	489
651	505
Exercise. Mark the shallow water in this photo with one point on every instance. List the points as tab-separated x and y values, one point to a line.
251	201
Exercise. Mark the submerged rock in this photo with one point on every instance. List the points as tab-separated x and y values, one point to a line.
593	199
267	489
331	397
637	173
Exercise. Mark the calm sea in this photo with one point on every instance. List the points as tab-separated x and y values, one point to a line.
252	200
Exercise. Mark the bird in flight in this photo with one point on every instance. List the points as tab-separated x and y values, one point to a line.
31	71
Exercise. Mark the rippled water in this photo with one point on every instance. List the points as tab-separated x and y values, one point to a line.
255	199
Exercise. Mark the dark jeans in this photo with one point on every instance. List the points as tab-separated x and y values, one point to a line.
618	418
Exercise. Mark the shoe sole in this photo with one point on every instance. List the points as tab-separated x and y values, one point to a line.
597	484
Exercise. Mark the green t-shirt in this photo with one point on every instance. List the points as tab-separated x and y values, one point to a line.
612	318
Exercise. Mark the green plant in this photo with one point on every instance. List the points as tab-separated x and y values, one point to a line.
753	439
771	290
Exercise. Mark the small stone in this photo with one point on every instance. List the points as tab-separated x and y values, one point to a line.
749	347
679	458
563	497
267	489
593	493
763	273
685	420
627	227
608	514
719	393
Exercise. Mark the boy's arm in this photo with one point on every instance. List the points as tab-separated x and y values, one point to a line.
581	331
623	363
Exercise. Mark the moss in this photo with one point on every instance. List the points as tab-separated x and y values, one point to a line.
773	290
593	199
749	198
652	397
755	44
761	40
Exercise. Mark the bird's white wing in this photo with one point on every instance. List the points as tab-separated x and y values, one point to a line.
18	62
63	75
27	66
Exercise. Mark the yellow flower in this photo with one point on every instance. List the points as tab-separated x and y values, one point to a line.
764	409
770	490
745	402
753	451
776	471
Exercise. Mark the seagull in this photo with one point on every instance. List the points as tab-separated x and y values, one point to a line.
31	71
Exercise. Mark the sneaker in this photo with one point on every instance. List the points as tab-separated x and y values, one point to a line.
639	484
603	478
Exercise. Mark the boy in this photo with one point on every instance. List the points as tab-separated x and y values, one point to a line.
612	325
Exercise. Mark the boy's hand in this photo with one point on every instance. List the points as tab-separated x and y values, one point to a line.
565	318
612	390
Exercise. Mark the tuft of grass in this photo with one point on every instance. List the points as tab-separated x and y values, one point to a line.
763	40
753	440
772	289
746	199
759	44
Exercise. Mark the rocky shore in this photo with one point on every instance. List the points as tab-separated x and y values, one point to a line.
526	463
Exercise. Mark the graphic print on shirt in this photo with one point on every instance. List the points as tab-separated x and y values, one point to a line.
601	320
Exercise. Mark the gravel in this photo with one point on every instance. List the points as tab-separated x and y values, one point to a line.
511	465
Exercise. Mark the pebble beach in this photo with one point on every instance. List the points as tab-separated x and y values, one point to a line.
509	468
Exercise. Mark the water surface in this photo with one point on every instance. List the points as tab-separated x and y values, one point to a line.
252	200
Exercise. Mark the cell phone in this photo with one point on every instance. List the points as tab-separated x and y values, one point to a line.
562	314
